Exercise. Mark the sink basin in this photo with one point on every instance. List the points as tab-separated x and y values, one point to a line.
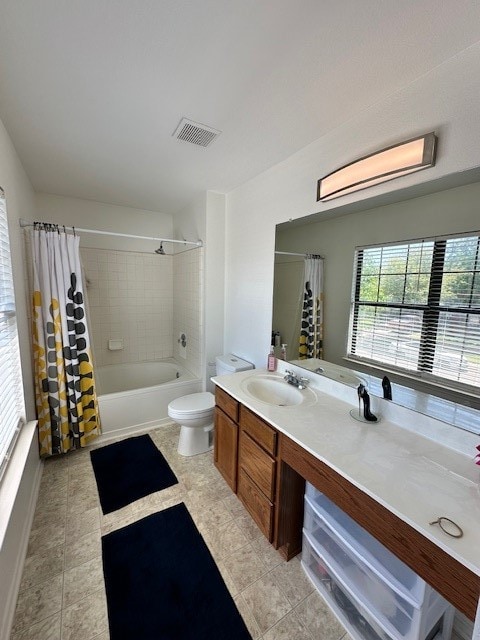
275	391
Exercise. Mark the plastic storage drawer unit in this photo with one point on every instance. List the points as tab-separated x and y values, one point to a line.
382	587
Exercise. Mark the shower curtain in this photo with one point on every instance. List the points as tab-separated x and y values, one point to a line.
66	399
311	332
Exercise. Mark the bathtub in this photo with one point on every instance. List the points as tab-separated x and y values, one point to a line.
134	397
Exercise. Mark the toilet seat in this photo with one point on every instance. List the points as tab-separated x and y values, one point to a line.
192	406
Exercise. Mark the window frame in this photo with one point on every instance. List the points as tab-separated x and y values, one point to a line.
12	405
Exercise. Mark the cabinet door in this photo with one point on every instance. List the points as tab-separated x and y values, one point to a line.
225	448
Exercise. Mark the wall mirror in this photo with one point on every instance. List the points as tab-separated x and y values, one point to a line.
442	207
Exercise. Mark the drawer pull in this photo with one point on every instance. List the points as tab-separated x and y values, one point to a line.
446	525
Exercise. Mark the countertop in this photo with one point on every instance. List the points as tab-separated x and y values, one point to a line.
413	476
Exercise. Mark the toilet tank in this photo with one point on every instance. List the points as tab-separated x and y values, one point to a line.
229	363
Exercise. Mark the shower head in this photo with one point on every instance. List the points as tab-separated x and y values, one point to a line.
160	250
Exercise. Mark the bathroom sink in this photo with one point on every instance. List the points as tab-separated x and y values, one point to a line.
275	391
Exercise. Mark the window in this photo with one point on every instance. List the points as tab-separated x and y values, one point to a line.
11	392
416	308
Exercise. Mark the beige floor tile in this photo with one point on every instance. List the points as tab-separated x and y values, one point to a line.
50	513
266	602
38	602
244	566
85	548
46	536
318	618
248	617
85	619
80	581
78	524
269	555
234	505
224	540
118	519
42	566
48	629
288	628
227	578
291	579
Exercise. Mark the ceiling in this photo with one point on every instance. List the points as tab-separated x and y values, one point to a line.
92	90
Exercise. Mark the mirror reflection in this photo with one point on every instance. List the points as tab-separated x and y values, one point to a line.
314	324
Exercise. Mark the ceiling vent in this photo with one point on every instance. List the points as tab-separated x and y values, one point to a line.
196	133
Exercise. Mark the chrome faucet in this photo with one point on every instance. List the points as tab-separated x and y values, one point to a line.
292	378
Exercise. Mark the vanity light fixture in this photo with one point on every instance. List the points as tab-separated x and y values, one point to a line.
387	164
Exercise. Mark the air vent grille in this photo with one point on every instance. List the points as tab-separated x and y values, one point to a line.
196	133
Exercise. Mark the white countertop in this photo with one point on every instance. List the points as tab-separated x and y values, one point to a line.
413	476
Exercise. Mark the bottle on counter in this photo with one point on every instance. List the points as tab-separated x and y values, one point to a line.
283	352
272	360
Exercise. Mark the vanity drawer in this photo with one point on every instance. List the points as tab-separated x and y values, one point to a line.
258	506
257	464
258	430
228	404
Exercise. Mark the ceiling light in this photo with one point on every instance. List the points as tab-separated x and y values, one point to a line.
387	164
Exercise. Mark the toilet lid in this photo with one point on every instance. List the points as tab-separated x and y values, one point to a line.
193	402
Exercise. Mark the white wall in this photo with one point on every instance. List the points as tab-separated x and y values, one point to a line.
445	100
20	203
214	281
88	214
204	219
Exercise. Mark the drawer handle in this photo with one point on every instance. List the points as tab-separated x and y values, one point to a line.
458	533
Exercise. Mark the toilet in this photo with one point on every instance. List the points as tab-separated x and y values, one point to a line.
194	413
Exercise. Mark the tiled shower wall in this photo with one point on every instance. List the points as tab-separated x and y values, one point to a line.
188	307
130	297
148	301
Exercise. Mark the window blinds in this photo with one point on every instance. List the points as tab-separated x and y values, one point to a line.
416	307
11	393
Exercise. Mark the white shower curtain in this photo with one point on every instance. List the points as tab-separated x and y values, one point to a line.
311	332
66	399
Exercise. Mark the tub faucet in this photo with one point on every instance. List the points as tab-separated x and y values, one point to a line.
292	378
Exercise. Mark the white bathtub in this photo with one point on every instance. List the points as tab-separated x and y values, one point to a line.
134	397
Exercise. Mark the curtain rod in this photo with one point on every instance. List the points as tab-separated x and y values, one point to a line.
302	255
198	243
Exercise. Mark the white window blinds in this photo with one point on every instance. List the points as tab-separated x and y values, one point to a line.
11	393
416	307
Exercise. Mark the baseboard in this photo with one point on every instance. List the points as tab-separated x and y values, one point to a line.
11	602
137	429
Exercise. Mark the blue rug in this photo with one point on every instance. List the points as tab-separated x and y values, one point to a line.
129	470
163	584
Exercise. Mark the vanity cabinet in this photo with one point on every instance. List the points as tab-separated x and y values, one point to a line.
267	469
226	437
257	469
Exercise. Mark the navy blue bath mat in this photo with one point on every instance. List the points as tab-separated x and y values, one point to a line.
129	470
163	584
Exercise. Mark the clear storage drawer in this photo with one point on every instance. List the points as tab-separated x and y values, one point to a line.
382	617
373	554
357	620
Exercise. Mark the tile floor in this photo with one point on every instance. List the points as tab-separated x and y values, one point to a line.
62	594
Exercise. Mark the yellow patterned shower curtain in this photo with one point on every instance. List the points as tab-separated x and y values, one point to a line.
66	400
311	331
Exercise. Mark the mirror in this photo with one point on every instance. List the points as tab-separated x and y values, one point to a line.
441	207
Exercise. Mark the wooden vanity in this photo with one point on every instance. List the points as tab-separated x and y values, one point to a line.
267	470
